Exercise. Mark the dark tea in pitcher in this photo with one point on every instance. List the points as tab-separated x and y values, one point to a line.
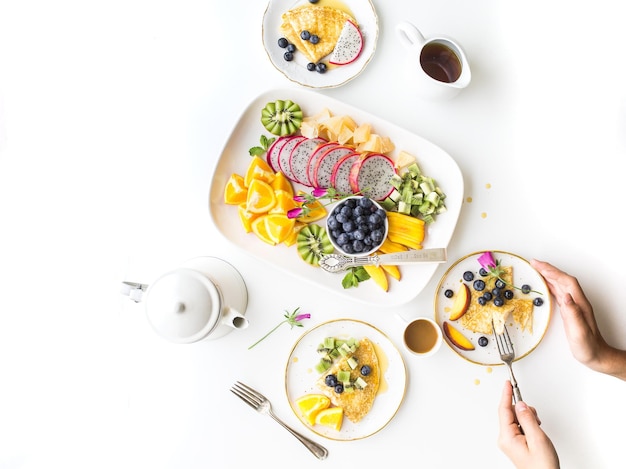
440	62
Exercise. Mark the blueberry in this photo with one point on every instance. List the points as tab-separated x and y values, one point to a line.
358	246
339	388
310	67
508	294
365	370
359	234
366	203
343	239
483	272
538	301
468	276
350	203
313	1
314	39
377	235
305	35
448	293
288	56
483	341
526	289
482	301
348	226
500	284
333	224
479	285
375	219
321	67
498	301
331	381
496	292
487	296
291	48
282	42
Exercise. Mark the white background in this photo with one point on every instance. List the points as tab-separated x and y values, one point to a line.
113	115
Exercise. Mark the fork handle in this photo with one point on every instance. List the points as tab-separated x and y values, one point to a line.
318	450
517	395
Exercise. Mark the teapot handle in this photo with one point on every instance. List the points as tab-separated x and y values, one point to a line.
134	290
409	35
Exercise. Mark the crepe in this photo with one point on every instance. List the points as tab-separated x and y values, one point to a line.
478	317
323	21
358	403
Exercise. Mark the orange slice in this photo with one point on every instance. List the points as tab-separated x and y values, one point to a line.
259	169
310	405
279	227
316	212
281	183
246	217
236	190
261	197
284	202
331	417
259	228
293	236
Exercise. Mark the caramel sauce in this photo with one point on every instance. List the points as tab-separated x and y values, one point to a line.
383	364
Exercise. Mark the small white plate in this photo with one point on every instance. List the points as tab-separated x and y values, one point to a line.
300	376
523	341
432	160
295	70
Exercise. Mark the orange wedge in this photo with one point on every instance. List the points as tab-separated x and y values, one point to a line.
236	190
316	212
246	217
261	197
331	417
284	202
311	404
293	236
259	169
259	228
281	183
279	227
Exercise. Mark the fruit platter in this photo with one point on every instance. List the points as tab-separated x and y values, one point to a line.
470	303
254	214
381	371
320	43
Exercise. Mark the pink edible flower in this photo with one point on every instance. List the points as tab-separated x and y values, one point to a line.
487	261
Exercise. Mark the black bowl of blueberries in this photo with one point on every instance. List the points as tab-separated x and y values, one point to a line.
357	226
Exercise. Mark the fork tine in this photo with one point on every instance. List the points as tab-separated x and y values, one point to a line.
257	395
243	397
250	399
507	340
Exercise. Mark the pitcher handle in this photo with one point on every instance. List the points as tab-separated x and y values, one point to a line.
134	290
409	35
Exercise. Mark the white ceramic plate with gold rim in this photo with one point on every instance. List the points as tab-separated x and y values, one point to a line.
433	161
365	15
524	342
300	376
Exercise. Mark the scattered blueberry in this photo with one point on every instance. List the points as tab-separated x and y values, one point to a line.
488	296
483	272
500	284
538	301
496	292
365	370
468	276
288	56
283	42
314	39
331	381
482	301
448	293
310	67
339	388
526	289
313	1
291	47
321	67
498	301
305	35
483	341
508	294
479	285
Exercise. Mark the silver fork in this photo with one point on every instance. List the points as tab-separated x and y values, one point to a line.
261	404
507	355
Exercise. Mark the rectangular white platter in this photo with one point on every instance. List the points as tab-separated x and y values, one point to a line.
433	161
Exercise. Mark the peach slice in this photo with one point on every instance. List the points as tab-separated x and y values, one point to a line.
456	337
461	302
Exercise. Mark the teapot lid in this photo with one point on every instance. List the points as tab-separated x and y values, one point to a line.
183	306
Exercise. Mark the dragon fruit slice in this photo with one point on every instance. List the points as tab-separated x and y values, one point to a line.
299	159
314	158
371	175
349	45
274	151
285	154
340	178
325	165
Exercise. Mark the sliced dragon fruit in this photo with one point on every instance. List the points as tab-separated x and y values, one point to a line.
273	151
314	158
349	45
285	154
326	163
340	177
371	175
299	159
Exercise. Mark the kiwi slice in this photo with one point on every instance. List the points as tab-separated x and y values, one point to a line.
281	117
312	243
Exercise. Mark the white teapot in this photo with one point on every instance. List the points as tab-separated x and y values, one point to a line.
205	298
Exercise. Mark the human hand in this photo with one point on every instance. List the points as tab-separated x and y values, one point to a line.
585	340
528	446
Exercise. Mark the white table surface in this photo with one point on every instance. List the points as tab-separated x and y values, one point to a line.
112	118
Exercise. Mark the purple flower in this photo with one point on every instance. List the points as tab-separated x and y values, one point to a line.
487	261
299	198
319	192
293	319
294	212
300	317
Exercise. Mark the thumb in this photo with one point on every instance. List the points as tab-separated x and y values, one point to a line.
526	418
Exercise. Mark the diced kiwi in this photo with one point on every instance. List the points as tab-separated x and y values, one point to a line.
360	383
352	362
343	376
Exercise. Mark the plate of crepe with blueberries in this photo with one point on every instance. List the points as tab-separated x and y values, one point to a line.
320	44
345	380
492	289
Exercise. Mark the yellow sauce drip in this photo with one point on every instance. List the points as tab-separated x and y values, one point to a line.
383	364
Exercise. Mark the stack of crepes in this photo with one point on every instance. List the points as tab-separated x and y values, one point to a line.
478	317
325	22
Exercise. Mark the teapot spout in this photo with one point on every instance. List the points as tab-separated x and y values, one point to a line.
235	319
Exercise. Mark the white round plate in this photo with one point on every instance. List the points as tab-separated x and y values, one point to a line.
365	15
300	376
523	341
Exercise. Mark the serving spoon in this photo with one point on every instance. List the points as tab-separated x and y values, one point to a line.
338	262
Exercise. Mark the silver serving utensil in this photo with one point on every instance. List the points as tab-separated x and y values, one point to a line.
507	355
339	262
